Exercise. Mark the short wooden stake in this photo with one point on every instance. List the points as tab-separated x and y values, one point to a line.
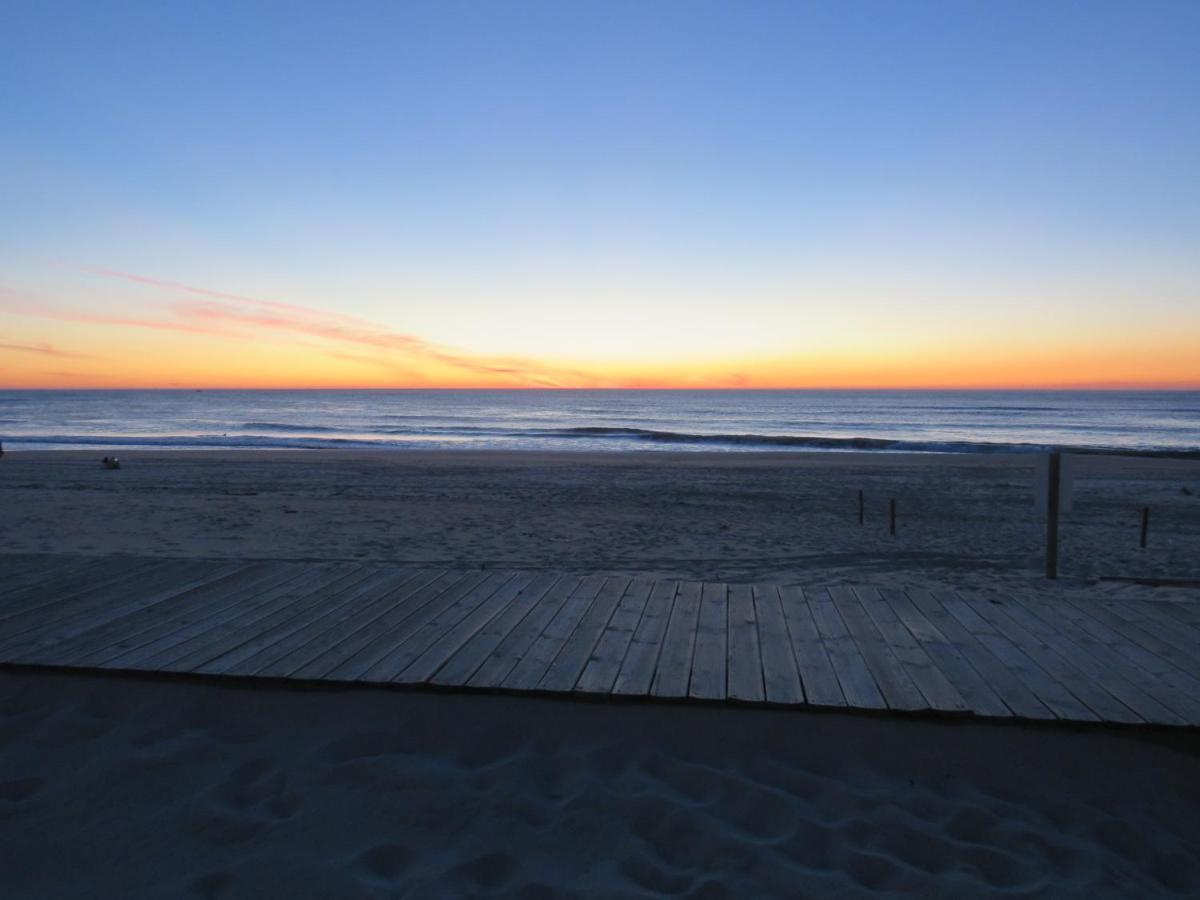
892	523
1145	524
860	507
1052	483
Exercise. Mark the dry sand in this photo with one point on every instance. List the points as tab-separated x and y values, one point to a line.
125	788
967	520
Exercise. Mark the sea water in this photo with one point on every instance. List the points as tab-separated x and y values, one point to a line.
1152	422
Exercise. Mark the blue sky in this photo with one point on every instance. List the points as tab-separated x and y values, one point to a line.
506	177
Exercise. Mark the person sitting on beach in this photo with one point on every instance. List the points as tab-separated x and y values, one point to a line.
110	462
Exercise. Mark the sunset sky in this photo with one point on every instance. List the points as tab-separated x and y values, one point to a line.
605	194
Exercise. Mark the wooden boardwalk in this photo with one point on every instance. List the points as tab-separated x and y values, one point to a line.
880	649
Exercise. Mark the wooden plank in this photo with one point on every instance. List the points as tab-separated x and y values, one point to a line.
949	654
1130	684
43	574
144	626
465	661
568	664
781	678
452	639
394	631
712	635
888	673
1057	665
818	678
744	665
529	671
15	564
346	654
853	674
414	644
501	661
1179	640
674	670
891	677
208	640
641	658
322	635
935	687
1177	688
253	655
34	603
600	673
1057	698
69	620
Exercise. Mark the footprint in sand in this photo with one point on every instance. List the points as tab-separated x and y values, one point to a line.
254	797
385	864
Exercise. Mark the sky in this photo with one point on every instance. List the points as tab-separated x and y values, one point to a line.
600	194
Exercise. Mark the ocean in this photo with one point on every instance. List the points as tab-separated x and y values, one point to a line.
1143	422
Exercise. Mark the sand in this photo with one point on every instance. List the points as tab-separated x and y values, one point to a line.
967	520
118	787
130	788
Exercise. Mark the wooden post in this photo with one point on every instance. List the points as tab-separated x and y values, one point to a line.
1145	524
860	507
1052	483
892	523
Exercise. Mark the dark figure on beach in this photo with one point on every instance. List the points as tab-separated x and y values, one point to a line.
110	462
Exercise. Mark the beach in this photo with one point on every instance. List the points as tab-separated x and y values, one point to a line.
966	519
148	786
120	787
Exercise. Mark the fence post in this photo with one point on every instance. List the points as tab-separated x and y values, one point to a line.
860	507
1052	491
1145	524
892	524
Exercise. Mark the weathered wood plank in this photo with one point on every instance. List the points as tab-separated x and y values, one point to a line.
501	661
1057	698
415	640
1177	640
781	678
69	620
465	661
1058	666
600	673
41	577
744	665
641	659
528	672
675	661
144	626
818	677
938	690
34	604
209	640
948	653
324	634
709	660
1127	682
563	673
392	631
1175	687
267	646
440	650
890	675
367	626
853	674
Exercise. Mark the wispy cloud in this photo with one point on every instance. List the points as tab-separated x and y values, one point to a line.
42	350
226	314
